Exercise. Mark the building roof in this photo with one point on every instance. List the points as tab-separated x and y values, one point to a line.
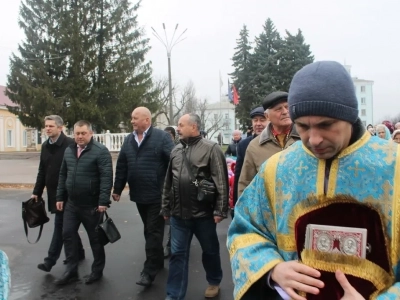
4	100
355	79
220	105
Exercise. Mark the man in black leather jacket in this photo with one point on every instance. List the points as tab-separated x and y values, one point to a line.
187	214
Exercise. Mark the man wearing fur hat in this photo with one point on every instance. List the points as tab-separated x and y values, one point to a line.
326	180
277	136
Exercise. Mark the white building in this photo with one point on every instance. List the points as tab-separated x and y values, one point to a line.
220	118
364	95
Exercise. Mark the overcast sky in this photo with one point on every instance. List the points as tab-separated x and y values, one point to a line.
362	33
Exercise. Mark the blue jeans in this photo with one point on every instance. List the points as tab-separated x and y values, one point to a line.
205	229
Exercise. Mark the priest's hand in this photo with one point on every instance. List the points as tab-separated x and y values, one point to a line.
293	276
349	292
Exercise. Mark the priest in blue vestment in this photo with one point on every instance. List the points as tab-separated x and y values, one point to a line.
337	175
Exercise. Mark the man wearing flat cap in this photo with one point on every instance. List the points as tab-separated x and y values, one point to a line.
322	182
259	123
277	136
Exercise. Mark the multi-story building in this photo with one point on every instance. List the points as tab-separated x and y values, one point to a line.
219	119
364	95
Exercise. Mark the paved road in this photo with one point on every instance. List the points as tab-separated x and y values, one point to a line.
20	168
124	259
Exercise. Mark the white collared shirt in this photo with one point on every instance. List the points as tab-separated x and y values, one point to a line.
51	142
137	137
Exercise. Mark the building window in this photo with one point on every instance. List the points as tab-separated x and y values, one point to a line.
10	141
24	139
363	88
364	123
215	117
226	116
363	101
363	112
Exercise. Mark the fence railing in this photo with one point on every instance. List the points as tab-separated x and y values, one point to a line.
113	141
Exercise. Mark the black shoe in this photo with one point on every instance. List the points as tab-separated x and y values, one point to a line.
68	277
44	267
145	280
167	252
93	277
81	257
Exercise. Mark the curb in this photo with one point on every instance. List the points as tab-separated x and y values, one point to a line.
16	186
26	186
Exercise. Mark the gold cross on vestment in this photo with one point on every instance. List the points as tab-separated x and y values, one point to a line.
301	168
385	202
281	197
356	169
390	150
244	266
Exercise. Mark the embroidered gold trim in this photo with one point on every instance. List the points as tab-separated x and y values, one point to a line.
321	177
286	242
245	240
255	277
333	173
307	150
357	145
396	212
270	179
351	265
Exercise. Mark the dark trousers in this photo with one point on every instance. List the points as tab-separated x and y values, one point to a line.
153	225
73	217
57	241
205	229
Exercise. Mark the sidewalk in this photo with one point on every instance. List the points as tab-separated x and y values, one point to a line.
19	169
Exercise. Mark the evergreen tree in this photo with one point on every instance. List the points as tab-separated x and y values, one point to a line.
124	78
242	76
81	60
264	61
33	83
293	55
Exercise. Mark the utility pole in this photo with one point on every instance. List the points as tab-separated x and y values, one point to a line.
169	44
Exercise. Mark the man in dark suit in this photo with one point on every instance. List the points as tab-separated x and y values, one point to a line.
51	157
143	162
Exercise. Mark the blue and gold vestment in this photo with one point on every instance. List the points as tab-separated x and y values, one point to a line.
261	235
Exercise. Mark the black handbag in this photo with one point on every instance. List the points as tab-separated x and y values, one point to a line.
107	231
34	215
206	189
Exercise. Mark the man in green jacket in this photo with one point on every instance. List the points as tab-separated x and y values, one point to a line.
86	175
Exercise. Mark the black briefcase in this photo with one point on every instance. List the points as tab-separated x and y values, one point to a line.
34	215
107	231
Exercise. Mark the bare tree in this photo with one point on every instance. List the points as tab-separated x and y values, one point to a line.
184	103
210	123
390	118
188	102
161	86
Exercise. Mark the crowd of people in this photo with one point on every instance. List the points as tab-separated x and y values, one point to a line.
308	160
386	130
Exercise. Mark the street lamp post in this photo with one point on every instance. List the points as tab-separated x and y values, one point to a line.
169	44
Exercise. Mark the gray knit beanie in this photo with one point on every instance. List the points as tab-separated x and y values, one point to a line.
325	89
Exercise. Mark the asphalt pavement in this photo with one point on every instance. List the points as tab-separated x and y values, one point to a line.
124	258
